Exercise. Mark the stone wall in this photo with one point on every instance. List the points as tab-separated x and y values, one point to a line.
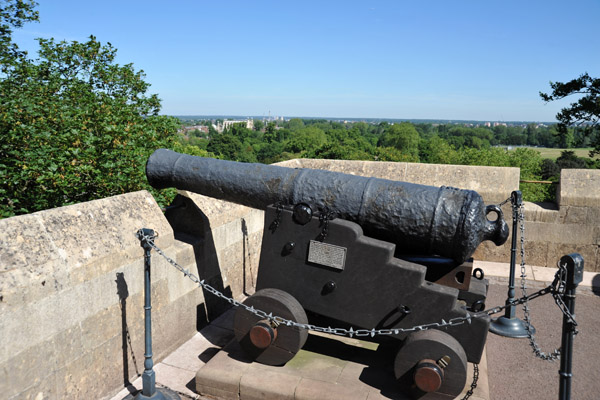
71	291
553	230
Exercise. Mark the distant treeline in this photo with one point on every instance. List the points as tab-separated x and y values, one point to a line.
427	143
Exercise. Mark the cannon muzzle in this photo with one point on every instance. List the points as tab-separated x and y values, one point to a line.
419	219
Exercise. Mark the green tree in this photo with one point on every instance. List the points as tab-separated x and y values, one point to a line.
516	136
271	134
225	146
566	138
437	151
361	128
569	160
258	125
294	124
547	136
192	150
240	131
75	126
339	151
550	170
13	14
585	112
501	133
393	154
403	137
270	153
532	135
212	132
529	161
305	140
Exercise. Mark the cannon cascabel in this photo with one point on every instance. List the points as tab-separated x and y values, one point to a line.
419	219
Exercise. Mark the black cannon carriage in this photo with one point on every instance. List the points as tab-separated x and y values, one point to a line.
358	252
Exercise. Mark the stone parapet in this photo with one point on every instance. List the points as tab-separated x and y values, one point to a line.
71	298
553	230
579	188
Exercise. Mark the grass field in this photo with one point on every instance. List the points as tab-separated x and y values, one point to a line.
555	153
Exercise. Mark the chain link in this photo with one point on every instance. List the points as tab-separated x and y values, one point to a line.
324	217
275	224
555	354
473	383
557	289
505	201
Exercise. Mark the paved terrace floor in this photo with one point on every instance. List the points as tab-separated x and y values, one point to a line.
508	371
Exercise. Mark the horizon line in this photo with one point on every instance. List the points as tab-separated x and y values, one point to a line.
355	118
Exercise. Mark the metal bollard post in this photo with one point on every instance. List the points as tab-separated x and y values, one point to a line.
149	391
574	264
509	325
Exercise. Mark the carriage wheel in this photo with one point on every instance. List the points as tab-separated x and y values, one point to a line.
431	364
263	341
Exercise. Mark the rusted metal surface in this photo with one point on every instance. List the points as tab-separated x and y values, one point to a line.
419	219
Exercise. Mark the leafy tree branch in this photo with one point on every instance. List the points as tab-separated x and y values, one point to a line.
585	112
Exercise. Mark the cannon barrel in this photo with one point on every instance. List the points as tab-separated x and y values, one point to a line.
419	219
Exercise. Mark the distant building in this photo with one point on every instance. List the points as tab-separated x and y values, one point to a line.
228	124
187	129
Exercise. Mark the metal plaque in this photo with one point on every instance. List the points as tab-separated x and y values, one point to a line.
326	254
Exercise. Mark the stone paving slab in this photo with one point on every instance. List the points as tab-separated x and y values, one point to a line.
328	367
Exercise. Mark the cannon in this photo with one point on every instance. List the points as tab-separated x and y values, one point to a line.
357	252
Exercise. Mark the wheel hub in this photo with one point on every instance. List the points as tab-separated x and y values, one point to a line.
428	376
262	335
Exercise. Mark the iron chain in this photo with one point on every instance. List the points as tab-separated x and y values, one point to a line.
351	332
473	383
556	288
324	217
275	224
505	201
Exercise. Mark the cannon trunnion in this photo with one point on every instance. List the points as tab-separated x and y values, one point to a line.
357	252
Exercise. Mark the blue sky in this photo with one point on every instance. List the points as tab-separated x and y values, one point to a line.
476	60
